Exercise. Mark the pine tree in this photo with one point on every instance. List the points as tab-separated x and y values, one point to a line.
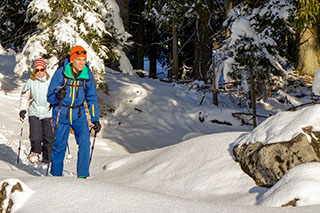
257	36
13	28
168	16
187	29
61	24
268	26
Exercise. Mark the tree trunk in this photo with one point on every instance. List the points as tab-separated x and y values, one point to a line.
203	48
253	97
214	85
175	55
153	61
138	62
170	74
124	14
308	55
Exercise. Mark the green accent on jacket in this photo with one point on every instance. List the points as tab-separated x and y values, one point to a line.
84	75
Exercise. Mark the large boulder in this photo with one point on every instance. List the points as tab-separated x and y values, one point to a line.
13	194
266	164
278	144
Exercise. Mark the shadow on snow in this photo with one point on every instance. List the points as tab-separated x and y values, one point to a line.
9	156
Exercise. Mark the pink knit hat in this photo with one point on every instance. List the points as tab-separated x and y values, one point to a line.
40	62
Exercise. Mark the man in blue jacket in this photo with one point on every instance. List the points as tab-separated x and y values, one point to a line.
71	85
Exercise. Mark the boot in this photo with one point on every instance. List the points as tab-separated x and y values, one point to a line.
34	158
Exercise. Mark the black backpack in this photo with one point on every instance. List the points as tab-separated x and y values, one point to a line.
61	60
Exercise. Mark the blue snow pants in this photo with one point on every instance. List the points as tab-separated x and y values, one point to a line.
82	136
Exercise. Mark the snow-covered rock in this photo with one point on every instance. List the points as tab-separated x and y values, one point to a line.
299	187
13	194
280	143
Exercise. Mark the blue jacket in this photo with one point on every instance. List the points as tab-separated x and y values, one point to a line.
72	105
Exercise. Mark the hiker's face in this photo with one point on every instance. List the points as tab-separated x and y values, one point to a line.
40	71
78	64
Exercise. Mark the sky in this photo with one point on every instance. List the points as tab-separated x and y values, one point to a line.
158	151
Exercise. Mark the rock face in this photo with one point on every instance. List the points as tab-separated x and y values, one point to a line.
266	164
13	194
4	195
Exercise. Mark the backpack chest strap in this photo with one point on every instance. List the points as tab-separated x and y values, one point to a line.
73	107
76	86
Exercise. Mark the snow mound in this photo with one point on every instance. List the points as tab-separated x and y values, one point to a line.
14	194
283	126
178	169
301	183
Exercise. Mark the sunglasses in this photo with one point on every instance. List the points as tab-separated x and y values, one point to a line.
42	70
80	52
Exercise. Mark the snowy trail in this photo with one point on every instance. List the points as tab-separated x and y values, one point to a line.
10	128
196	175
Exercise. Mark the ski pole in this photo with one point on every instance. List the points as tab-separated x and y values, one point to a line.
69	156
19	148
55	131
92	147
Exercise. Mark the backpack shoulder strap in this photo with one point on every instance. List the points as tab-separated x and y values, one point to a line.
65	80
84	84
84	87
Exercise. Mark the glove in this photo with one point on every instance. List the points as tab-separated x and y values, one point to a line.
22	114
61	93
96	126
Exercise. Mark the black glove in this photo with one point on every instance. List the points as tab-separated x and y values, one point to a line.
22	114
96	126
61	93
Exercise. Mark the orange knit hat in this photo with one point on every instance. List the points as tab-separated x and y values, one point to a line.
76	52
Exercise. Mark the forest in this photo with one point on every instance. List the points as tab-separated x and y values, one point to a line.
250	45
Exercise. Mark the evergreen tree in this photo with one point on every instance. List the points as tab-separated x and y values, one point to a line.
268	26
13	28
188	26
203	43
61	24
138	32
168	16
257	36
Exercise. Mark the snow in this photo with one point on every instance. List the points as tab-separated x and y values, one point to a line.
40	5
278	9
246	23
159	149
242	27
283	126
299	182
153	154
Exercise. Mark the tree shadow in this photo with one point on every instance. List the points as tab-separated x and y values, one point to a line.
9	156
9	79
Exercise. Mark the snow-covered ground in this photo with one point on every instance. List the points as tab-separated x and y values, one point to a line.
158	151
